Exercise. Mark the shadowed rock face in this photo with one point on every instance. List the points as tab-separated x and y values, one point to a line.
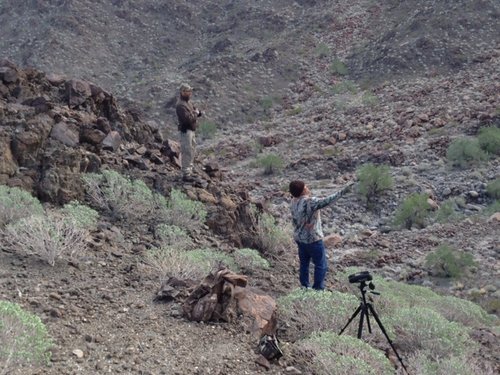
53	130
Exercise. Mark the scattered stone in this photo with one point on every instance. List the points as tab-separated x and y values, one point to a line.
262	361
78	353
65	133
494	217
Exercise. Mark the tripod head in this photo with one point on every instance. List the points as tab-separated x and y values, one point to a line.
362	278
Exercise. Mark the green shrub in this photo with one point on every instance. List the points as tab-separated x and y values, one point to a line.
396	295
171	235
83	216
271	163
23	337
449	210
207	130
270	237
420	328
492	208
345	87
369	99
493	189
421	363
413	211
322	50
373	181
334	354
338	67
266	103
462	311
250	259
305	311
184	212
15	204
210	259
49	236
448	262
170	261
122	197
296	110
489	140
465	152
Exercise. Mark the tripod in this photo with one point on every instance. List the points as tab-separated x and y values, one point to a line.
365	308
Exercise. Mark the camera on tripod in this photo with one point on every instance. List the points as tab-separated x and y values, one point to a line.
360	277
365	309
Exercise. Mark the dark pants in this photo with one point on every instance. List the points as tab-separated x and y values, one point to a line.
316	252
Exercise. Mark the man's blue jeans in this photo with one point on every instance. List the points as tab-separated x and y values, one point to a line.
316	252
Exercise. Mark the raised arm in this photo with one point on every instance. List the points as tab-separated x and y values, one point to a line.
317	203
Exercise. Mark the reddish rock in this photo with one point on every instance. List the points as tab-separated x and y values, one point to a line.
332	240
258	309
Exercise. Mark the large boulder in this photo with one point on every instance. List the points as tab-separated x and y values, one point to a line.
224	295
65	133
77	92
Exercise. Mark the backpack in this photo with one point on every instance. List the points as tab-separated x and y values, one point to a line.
268	347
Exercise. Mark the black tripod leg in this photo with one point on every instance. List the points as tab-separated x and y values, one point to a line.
368	321
386	336
351	319
360	327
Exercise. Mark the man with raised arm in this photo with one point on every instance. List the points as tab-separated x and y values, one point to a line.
308	233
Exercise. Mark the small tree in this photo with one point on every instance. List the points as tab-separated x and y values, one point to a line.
489	140
373	181
449	210
413	211
271	163
23	337
464	152
448	262
493	189
207	130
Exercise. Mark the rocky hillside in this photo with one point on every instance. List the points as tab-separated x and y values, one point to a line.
240	55
324	86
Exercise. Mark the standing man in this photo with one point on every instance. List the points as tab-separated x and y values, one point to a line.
308	232
187	115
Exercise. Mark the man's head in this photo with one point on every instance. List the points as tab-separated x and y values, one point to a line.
298	188
185	91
